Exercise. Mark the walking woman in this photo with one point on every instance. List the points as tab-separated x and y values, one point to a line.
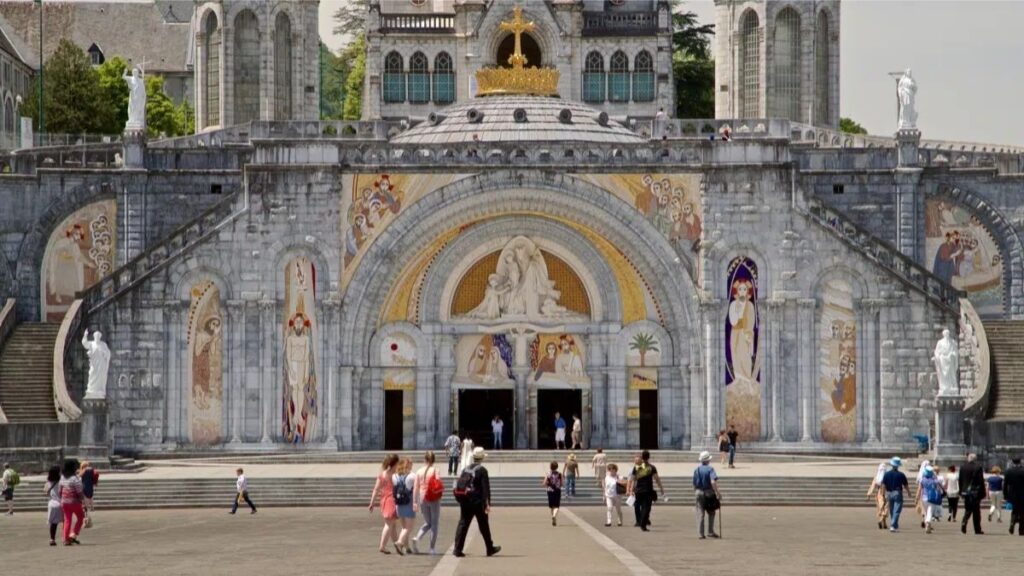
723	446
384	490
429	490
995	493
53	510
71	497
553	483
404	483
952	493
876	490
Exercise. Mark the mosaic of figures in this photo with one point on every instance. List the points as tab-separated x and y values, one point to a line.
206	364
300	401
79	253
484	359
837	377
963	252
556	360
743	349
370	202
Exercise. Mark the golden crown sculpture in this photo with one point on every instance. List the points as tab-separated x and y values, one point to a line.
518	79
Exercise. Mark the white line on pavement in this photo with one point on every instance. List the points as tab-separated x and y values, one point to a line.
634	564
448	563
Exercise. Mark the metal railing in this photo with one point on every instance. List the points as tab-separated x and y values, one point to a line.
640	23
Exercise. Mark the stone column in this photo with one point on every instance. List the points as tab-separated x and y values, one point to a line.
521	374
174	315
597	351
345	420
806	353
329	334
870	365
358	441
773	361
234	356
712	313
425	407
909	196
268	375
444	352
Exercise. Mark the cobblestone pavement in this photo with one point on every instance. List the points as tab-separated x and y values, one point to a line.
762	541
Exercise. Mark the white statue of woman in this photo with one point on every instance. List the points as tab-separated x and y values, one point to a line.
136	100
99	362
947	365
906	89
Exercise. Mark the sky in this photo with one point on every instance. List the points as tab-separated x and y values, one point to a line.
965	55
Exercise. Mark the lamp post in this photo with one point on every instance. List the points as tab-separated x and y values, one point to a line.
42	107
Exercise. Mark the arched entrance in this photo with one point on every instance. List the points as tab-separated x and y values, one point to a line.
529	46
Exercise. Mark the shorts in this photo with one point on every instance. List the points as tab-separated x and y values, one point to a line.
8	494
559	434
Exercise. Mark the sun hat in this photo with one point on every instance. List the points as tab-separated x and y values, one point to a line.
572	457
929	472
705	456
895	462
479	454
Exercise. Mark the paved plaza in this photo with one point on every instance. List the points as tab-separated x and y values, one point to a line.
763	541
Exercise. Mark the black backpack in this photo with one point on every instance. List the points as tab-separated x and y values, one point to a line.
401	492
465	488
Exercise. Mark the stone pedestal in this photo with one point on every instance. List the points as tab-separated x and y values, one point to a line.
949	429
95	441
907	142
26	133
134	149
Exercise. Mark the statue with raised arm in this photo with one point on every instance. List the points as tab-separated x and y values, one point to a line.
99	362
906	90
947	365
136	100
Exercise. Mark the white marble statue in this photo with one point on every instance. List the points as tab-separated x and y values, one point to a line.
947	365
136	100
99	362
906	89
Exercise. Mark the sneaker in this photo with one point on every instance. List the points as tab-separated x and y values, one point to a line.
928	530
232	512
620	524
415	545
554	522
713	535
433	552
493	551
989	516
893	530
963	528
54	542
608	524
459	554
251	513
702	537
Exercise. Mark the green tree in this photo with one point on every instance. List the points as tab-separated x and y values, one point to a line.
350	18
850	126
333	75
74	100
692	67
353	108
115	93
644	343
185	117
161	114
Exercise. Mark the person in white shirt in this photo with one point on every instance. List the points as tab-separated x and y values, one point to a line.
614	488
600	466
952	493
242	493
497	427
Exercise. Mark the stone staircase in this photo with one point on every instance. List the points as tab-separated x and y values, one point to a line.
1005	342
26	373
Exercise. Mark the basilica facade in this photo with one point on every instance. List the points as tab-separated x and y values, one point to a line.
518	252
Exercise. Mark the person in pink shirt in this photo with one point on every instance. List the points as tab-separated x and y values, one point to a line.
71	497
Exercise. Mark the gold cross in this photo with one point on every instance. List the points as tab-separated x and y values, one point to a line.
517	27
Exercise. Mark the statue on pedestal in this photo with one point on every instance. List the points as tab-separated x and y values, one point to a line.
99	362
906	89
947	365
136	100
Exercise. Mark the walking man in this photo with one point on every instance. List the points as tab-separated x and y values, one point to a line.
733	441
242	488
559	432
972	490
473	492
8	481
451	449
497	427
705	488
577	433
641	487
895	483
1013	489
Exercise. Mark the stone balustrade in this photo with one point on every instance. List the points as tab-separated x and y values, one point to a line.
7	322
67	410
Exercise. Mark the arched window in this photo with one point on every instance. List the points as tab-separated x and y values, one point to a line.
211	72
785	94
9	118
618	78
419	79
750	66
643	77
822	79
247	68
444	79
283	67
394	78
593	78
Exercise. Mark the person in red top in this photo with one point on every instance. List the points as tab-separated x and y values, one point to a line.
384	488
71	497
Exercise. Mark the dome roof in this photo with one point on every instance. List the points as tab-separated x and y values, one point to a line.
495	119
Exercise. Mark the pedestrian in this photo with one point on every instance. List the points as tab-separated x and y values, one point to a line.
995	493
931	493
952	493
559	432
90	478
641	488
723	446
972	490
497	428
600	466
571	470
473	492
553	484
577	433
384	489
895	483
242	492
708	497
451	449
403	485
918	501
71	496
877	490
429	491
614	490
733	444
467	455
54	514
1013	491
8	482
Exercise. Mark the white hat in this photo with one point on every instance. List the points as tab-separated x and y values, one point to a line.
478	453
705	456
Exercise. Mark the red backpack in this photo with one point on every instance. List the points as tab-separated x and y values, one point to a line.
435	489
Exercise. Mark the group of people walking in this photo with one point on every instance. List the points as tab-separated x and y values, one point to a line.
968	484
70	490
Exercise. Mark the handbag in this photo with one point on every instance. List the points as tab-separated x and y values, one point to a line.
631	500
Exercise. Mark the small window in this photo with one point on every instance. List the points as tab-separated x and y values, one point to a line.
837	188
96	55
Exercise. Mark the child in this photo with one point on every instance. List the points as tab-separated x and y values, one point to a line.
614	488
242	489
553	483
